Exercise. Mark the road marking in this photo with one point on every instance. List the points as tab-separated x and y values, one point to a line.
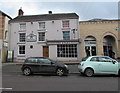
5	88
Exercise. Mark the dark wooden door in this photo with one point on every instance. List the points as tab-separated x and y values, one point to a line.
45	51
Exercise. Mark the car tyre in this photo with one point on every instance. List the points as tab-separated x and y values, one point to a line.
119	73
27	71
60	72
89	72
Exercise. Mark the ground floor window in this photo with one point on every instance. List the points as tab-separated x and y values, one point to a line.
67	50
21	49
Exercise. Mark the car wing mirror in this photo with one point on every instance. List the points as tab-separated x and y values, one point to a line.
52	63
113	62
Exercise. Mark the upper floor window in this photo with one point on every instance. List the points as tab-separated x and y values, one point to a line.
66	35
6	34
41	36
22	37
41	25
65	24
23	26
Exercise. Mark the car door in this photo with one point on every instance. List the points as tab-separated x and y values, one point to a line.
33	64
94	63
47	66
107	66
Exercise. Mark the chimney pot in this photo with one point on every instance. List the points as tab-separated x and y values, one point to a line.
20	12
50	12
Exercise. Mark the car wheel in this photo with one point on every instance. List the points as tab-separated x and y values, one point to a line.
60	72
27	71
89	72
119	73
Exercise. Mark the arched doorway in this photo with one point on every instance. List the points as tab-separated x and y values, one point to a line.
109	46
90	46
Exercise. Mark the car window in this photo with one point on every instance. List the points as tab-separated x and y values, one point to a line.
32	60
105	59
94	59
44	61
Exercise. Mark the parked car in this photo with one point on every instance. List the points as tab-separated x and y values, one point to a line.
99	65
43	65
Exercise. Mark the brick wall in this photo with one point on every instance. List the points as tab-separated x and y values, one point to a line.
2	22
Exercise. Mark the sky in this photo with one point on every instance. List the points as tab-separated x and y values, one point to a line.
86	10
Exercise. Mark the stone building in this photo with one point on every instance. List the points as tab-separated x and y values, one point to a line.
48	35
99	37
4	18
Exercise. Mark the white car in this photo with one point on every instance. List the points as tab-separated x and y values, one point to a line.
99	65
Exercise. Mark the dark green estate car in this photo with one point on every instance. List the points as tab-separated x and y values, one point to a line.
43	65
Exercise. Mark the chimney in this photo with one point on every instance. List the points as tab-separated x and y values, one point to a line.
20	12
50	12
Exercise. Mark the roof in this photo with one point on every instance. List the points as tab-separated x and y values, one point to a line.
101	20
5	14
44	17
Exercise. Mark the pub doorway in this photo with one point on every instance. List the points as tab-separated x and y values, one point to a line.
45	51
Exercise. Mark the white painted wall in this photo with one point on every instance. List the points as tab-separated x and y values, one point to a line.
53	32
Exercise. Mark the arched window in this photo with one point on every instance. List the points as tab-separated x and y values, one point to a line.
90	46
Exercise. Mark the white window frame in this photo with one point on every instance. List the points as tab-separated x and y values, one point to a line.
67	50
22	28
20	39
41	27
67	36
65	21
44	37
19	50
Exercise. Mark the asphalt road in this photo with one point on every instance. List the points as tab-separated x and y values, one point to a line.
13	80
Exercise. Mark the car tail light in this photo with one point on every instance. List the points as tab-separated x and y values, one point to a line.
23	64
83	64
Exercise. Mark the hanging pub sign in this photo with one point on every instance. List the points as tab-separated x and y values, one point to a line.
31	38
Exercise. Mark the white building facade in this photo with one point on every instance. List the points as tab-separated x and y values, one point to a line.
51	35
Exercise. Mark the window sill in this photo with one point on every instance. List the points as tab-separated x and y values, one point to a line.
21	43
65	28
22	31
21	55
41	30
41	41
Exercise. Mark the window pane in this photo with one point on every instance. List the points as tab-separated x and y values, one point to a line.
22	37
67	50
22	26
41	36
22	49
66	35
65	24
42	25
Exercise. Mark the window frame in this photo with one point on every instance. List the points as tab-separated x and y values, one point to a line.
67	50
22	50
66	35
42	26
65	24
43	37
22	38
22	28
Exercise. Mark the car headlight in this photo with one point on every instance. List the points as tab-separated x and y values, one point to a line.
66	66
